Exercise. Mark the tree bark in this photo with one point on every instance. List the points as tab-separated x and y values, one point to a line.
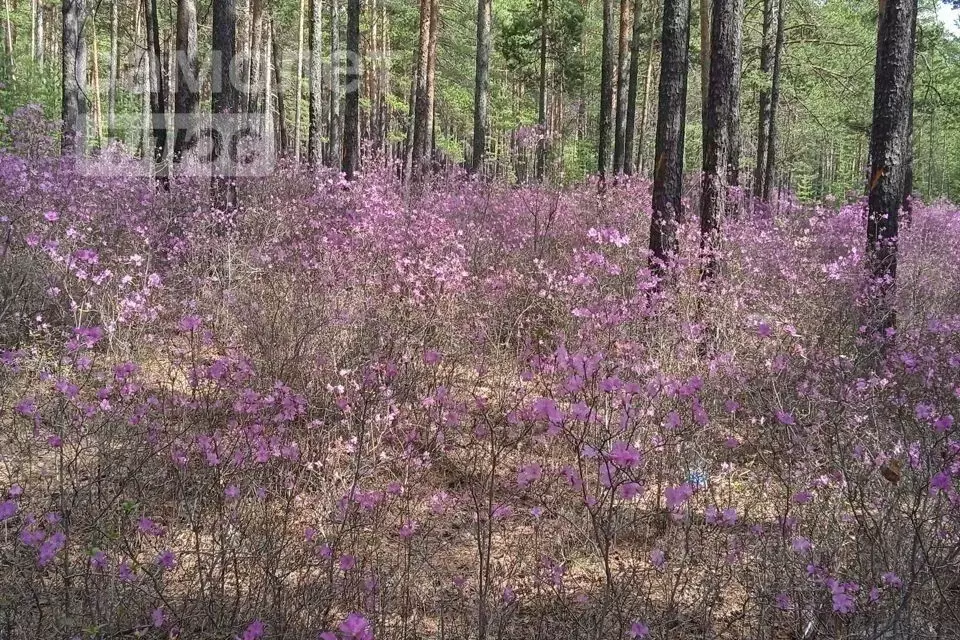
763	121
316	83
651	52
253	89
421	106
704	65
158	94
631	121
336	89
243	51
113	71
734	143
351	134
187	98
908	170
542	97
481	90
224	100
623	73
277	56
33	30
769	176
97	105
265	88
604	149
385	110
431	138
143	71
298	94
9	39
74	74
41	37
889	140
716	135
668	162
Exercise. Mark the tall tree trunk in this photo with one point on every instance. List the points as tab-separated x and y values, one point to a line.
158	94
763	121
316	82
351	133
704	64
9	39
253	89
481	89
41	36
74	74
385	110
908	170
771	164
368	54
224	99
298	94
623	72
889	139
112	80
631	122
33	30
604	148
542	96
187	98
734	143
265	87
97	105
421	107
668	158
651	52
277	56
336	88
431	139
143	77
716	135
171	76
244	51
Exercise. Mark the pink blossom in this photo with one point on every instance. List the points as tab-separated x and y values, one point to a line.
189	323
943	423
940	482
355	626
785	418
50	547
528	474
801	545
167	560
7	509
254	631
658	558
676	496
623	455
630	490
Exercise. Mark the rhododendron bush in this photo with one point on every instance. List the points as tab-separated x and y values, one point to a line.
359	410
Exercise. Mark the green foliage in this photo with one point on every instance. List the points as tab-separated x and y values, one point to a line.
823	118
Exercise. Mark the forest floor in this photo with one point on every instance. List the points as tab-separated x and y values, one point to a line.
467	412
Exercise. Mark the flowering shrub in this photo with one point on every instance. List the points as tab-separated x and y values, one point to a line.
356	413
